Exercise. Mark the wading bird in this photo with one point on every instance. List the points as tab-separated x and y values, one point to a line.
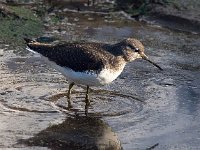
89	64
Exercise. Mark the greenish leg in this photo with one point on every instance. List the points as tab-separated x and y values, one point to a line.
69	95
87	101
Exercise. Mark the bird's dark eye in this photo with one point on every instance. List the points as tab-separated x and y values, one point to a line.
137	49
133	48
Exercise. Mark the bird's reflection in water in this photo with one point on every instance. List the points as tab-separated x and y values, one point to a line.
74	133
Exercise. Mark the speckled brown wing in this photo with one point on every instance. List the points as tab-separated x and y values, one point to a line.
78	57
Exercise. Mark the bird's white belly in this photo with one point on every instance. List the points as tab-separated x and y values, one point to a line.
106	76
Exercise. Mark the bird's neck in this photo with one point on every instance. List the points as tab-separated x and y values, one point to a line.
115	49
119	63
119	50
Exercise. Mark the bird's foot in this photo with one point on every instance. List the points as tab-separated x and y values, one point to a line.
87	101
69	105
87	104
86	108
69	96
69	102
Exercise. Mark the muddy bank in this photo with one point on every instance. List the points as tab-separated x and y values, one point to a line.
18	22
175	18
178	15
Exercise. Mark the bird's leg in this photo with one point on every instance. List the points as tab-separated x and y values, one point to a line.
87	101
69	95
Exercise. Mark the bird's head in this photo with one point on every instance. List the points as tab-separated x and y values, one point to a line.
134	49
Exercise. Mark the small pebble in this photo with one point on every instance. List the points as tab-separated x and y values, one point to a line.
90	19
1	52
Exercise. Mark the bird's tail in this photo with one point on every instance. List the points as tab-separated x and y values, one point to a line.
36	47
28	43
27	40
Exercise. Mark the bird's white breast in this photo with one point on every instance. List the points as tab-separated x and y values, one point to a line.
106	76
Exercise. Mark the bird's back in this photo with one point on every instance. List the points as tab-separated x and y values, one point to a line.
77	56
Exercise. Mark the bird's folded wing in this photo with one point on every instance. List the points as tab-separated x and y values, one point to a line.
73	56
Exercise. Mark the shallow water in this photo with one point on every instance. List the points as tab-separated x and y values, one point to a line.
143	108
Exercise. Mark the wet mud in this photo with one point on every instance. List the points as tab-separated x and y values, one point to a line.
143	108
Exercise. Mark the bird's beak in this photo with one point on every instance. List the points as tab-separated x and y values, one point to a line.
147	59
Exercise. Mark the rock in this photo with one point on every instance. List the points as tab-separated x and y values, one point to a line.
90	19
76	19
1	52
